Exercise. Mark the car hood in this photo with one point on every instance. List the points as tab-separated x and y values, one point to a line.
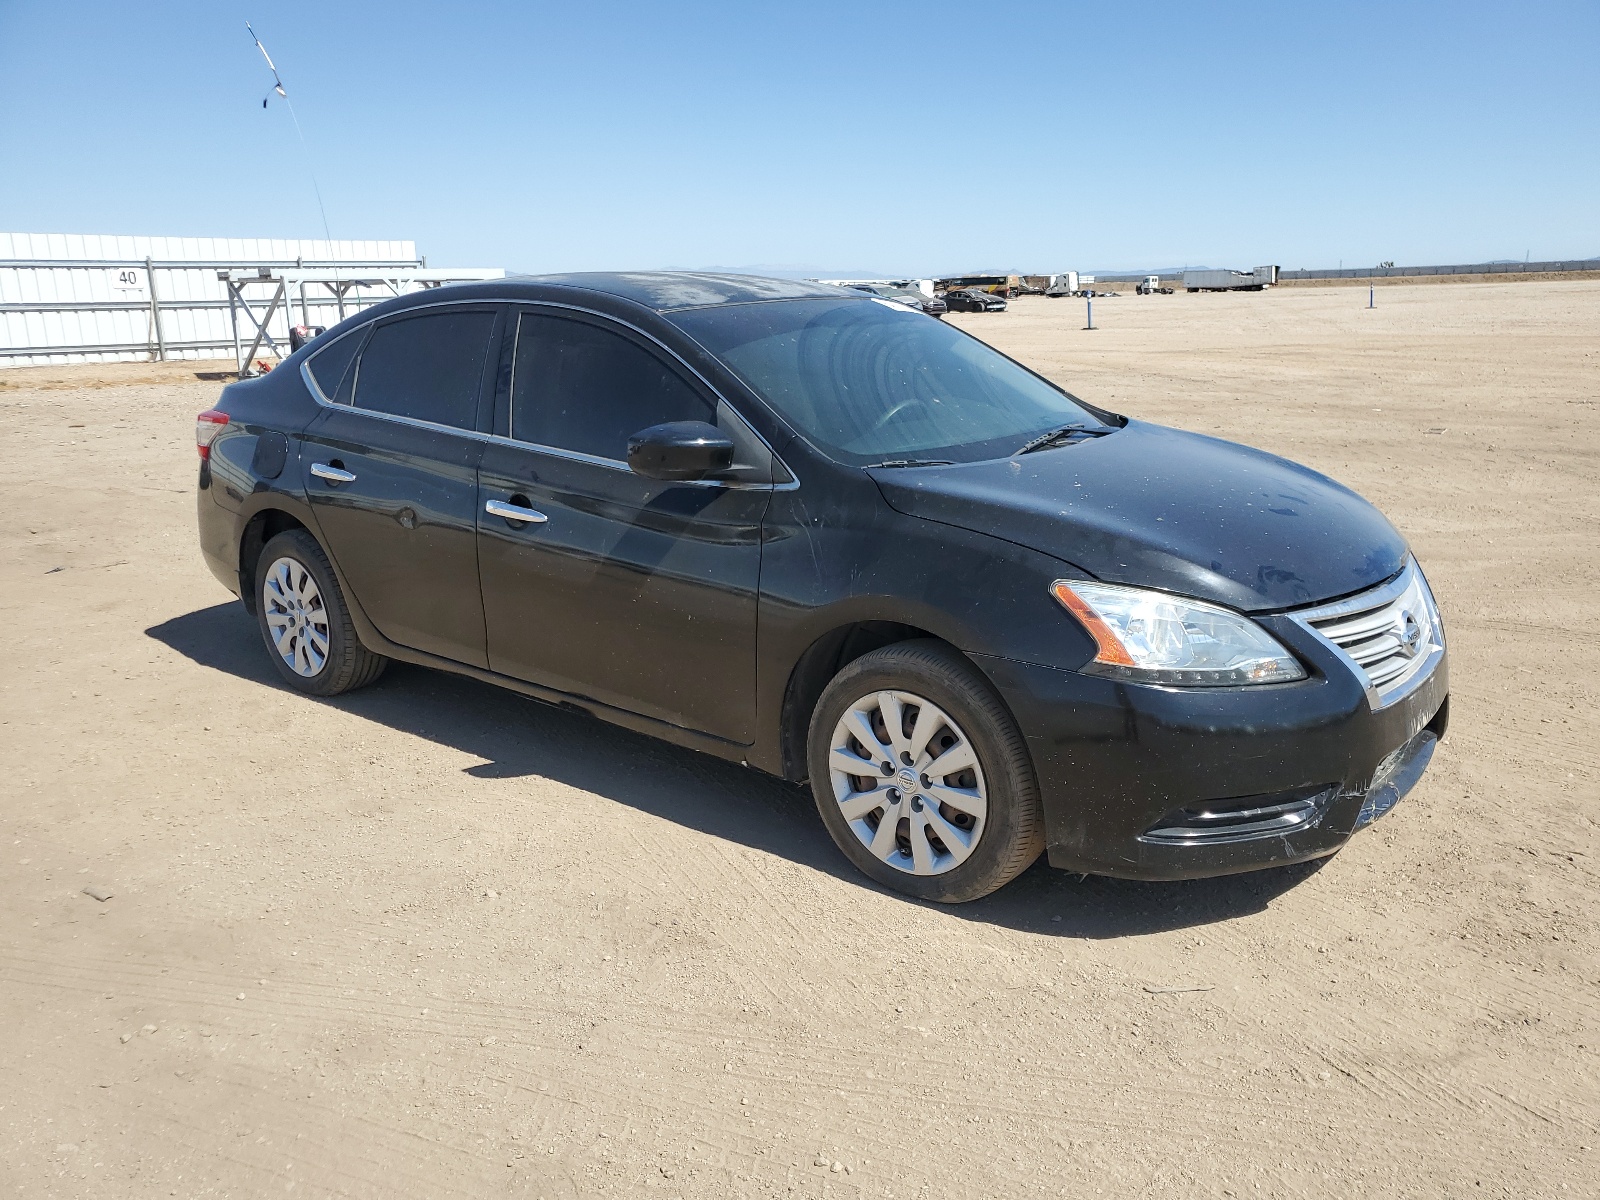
1155	507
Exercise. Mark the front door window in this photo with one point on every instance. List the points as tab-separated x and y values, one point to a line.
585	389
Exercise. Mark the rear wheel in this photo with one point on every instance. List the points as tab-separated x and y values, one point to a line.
921	775
305	622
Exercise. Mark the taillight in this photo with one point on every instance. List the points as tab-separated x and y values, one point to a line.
206	427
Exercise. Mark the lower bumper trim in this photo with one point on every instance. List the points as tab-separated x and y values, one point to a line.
1227	821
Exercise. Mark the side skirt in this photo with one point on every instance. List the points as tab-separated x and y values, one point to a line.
667	732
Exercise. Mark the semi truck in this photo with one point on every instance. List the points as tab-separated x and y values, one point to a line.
1150	285
1230	281
1070	283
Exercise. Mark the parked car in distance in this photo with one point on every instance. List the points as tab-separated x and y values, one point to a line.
972	300
795	527
910	297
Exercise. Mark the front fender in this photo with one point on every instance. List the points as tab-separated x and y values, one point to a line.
822	572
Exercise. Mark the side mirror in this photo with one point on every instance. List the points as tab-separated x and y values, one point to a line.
679	450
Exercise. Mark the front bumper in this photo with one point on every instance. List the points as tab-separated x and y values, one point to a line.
1145	782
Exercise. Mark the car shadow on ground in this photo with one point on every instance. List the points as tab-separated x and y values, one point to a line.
519	737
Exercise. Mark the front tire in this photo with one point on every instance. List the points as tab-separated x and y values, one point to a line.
922	776
305	622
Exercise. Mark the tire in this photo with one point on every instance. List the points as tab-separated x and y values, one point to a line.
297	594
996	828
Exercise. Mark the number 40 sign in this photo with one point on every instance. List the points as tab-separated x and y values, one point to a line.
128	279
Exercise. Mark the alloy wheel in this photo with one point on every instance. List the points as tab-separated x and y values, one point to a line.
296	616
908	783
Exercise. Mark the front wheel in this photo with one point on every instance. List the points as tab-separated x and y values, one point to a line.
305	622
921	775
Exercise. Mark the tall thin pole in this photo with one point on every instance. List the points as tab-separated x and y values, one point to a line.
1372	294
1089	304
155	311
233	318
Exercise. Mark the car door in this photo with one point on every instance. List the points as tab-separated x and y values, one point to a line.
391	474
635	592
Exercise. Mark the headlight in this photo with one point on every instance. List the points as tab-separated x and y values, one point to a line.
1151	637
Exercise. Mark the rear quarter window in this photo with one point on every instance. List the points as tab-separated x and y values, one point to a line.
330	364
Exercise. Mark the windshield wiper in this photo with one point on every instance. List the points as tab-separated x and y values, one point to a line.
912	462
1066	431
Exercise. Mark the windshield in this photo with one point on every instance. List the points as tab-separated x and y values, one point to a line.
868	381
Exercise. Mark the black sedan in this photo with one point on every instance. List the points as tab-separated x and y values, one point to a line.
974	300
805	530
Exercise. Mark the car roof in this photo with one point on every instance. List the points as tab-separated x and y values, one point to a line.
619	293
669	291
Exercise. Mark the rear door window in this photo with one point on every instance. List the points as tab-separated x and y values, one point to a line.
427	368
580	387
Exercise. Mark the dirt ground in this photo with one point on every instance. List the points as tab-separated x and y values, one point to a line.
433	940
1428	280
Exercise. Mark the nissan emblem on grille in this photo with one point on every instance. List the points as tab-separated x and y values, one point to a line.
1410	635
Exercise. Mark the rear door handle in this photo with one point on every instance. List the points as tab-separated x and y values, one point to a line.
332	473
514	512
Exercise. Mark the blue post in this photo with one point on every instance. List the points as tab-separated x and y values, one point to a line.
1089	304
1371	296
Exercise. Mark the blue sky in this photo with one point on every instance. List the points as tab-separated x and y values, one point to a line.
895	137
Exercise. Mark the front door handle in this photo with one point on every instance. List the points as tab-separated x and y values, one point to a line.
515	512
332	473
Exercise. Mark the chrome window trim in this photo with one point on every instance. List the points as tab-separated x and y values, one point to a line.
615	464
1393	691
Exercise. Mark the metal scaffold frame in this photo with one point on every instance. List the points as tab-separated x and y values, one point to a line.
99	298
339	283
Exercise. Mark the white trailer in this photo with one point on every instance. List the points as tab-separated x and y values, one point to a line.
1230	281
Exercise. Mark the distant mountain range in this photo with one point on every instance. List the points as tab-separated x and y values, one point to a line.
859	272
790	271
868	273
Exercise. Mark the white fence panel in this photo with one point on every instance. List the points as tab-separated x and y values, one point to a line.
54	310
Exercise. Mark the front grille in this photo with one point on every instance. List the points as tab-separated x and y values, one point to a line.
1390	635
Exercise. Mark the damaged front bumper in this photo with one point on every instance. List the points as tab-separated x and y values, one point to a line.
1147	782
